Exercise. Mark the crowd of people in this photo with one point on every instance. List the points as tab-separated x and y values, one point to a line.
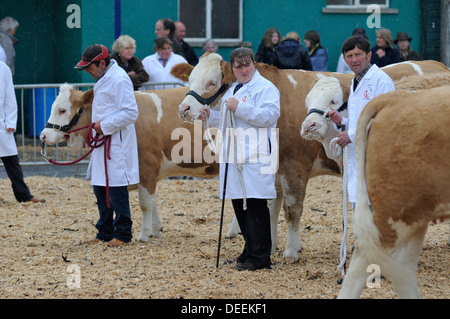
288	52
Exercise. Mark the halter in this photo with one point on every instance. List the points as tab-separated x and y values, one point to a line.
68	127
321	112
203	101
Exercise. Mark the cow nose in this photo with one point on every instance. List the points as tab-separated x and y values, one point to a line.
42	137
184	109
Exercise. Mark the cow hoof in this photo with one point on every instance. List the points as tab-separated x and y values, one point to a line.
291	254
143	239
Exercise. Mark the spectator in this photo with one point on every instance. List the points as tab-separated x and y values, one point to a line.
8	148
384	53
188	52
8	29
318	54
342	65
166	28
124	49
210	46
159	64
291	54
403	43
114	112
266	50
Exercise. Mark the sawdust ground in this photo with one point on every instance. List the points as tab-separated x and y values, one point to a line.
44	250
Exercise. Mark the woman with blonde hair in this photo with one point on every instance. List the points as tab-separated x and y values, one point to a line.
124	49
266	50
384	53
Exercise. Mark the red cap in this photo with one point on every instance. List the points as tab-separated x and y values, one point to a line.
93	53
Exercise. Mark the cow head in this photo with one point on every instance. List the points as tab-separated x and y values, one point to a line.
64	108
205	81
326	95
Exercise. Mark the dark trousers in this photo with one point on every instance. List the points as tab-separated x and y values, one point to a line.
255	227
15	174
109	227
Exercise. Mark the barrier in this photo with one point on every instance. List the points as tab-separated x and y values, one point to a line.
34	107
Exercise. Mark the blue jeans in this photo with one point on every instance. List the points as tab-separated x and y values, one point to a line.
109	227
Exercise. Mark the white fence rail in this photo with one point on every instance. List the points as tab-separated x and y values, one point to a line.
34	103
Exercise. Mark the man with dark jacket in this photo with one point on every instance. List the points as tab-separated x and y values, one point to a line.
291	54
189	54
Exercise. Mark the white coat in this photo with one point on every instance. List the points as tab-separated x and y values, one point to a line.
8	112
374	83
158	73
256	118
115	106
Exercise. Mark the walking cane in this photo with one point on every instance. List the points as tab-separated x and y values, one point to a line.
223	200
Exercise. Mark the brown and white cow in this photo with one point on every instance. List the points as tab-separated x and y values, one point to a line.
402	150
158	130
300	159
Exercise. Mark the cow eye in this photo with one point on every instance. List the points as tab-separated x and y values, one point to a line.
212	83
333	102
62	111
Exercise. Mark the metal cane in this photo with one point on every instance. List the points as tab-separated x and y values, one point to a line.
223	200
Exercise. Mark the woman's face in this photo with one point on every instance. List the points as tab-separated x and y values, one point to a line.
307	43
275	38
165	51
381	42
127	53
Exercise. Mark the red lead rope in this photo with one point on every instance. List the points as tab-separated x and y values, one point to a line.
93	142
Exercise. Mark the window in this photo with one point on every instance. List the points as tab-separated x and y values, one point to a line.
212	19
357	6
357	3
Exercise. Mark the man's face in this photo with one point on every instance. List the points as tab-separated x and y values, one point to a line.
244	73
96	71
159	30
180	31
357	59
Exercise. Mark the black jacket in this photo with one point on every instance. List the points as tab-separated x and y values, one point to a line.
392	56
266	55
292	55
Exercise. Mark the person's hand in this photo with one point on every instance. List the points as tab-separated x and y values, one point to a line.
231	104
335	116
204	114
343	139
98	128
132	73
10	130
381	53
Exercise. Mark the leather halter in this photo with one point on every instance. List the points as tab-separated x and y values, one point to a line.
68	127
340	109
209	100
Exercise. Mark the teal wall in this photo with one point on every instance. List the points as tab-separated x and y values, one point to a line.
48	49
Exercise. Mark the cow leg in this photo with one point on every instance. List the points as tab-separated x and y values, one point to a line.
275	208
355	278
151	223
403	271
234	229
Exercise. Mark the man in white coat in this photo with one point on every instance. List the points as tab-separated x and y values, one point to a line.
255	103
114	112
8	147
369	82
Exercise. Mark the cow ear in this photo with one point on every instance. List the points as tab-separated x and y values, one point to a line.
88	97
227	73
182	71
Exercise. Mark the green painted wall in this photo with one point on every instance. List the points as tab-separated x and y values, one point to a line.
48	49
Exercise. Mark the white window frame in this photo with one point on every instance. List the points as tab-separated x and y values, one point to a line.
225	42
356	5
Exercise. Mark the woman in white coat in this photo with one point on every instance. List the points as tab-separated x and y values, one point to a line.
8	148
114	111
369	82
159	64
255	102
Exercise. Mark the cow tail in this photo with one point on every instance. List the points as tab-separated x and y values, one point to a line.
367	236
